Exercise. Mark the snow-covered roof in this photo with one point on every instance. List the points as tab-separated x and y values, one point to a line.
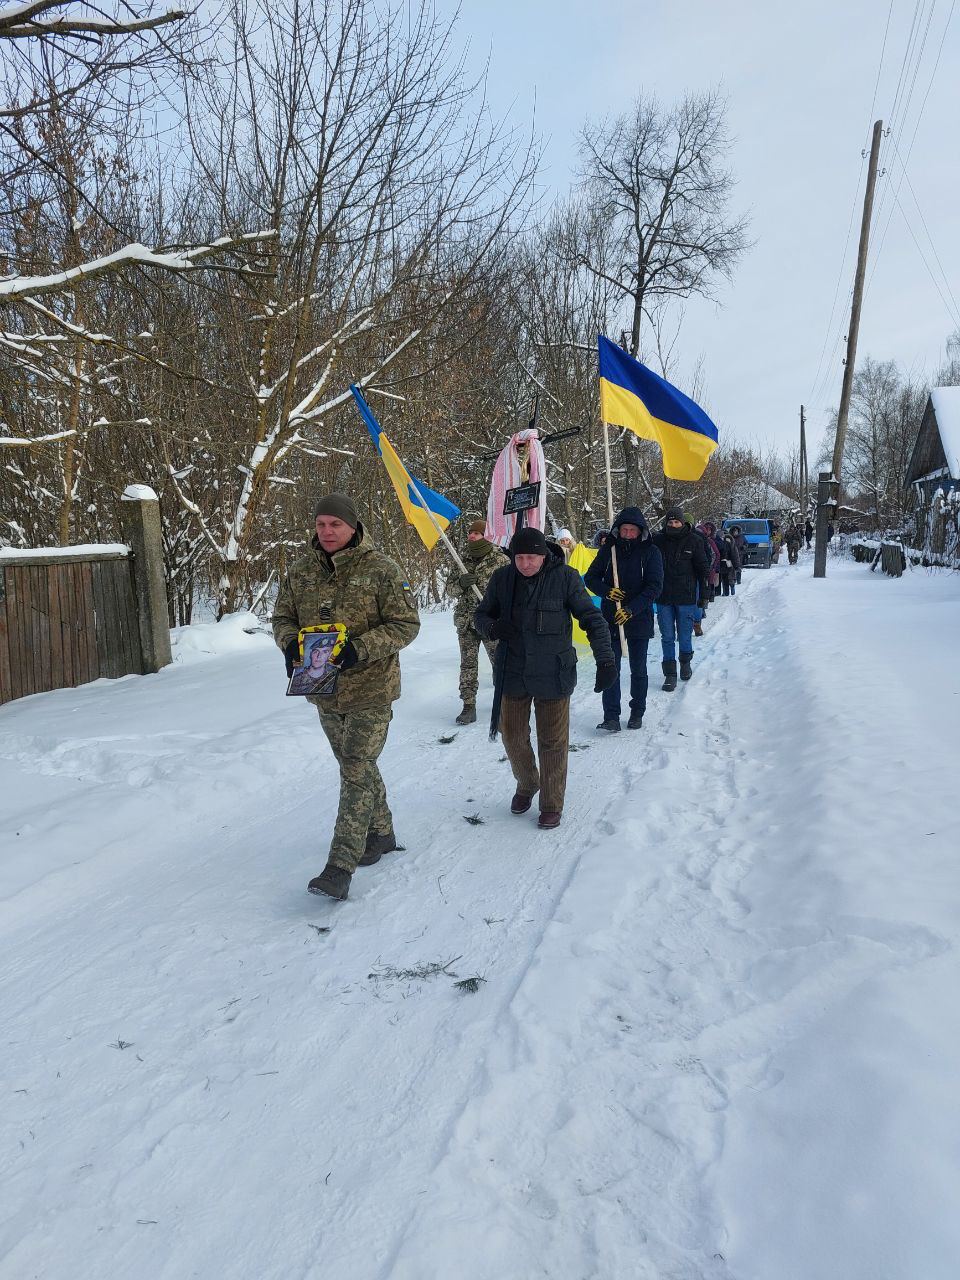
946	407
759	496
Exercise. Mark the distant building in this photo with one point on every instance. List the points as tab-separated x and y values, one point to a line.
750	496
935	462
934	473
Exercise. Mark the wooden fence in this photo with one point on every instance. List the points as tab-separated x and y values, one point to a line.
74	614
890	556
66	619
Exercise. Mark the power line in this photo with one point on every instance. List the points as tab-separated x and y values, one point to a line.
946	278
895	141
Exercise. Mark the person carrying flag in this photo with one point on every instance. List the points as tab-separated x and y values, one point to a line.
627	603
343	578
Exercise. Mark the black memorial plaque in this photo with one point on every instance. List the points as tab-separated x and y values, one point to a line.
523	498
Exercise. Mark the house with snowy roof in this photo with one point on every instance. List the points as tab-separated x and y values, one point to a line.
935	462
752	496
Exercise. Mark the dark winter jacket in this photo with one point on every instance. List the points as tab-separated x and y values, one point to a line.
540	661
639	569
685	565
729	554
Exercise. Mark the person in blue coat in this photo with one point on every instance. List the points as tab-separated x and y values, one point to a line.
630	605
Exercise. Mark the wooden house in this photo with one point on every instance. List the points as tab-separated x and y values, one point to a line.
935	462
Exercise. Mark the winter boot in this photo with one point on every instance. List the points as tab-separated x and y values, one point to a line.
468	715
520	803
635	721
549	818
669	674
698	628
611	725
332	880
378	843
686	671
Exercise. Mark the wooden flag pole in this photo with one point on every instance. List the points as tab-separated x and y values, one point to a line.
454	554
613	549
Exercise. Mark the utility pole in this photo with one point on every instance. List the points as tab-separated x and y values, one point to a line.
804	476
831	506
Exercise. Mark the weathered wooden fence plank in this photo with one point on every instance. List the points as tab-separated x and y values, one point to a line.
6	691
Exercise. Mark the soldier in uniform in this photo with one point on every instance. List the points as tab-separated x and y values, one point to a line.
482	558
343	578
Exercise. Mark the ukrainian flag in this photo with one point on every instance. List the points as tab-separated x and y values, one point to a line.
633	396
409	489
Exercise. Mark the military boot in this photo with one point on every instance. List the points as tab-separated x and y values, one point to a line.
686	671
332	880
468	715
669	666
378	843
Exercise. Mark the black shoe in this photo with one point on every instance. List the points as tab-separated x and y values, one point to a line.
468	715
378	843
635	721
610	724
669	675
332	880
686	671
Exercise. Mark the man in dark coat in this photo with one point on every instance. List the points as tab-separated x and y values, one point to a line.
729	562
808	532
685	572
629	604
527	607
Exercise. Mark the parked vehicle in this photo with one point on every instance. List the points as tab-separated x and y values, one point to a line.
758	541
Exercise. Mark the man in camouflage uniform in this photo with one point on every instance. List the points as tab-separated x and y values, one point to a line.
343	578
482	558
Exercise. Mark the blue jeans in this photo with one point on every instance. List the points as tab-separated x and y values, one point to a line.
676	624
637	653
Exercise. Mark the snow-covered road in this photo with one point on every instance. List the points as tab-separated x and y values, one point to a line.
718	1029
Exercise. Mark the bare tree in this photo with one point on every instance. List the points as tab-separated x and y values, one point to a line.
657	187
350	132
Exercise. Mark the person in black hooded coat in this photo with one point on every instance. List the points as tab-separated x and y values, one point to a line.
640	573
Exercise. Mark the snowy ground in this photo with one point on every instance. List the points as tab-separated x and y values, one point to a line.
719	1029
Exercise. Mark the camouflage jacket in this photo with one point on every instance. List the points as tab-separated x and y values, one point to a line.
483	568
365	590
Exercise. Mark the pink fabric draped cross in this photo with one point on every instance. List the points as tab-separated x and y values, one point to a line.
506	475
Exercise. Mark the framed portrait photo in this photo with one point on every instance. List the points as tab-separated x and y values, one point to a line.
315	676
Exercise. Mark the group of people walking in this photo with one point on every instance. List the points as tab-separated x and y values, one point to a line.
520	605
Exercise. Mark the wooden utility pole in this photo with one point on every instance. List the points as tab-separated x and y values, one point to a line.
804	476
832	504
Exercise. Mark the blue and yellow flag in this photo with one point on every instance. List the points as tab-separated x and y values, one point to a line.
409	489
633	396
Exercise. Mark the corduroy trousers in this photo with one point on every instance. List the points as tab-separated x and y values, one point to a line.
553	742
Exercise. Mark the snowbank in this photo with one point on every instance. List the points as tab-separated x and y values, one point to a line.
234	633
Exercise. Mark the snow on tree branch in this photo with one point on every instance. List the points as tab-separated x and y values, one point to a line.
27	21
132	254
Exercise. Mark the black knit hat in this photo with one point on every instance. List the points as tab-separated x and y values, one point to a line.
528	542
339	505
673	513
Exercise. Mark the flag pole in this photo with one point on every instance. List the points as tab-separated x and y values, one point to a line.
613	547
455	556
362	405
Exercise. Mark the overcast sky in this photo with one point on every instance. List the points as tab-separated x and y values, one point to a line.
800	80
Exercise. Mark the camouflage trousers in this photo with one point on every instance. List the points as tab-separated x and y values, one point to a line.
553	744
357	738
470	644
